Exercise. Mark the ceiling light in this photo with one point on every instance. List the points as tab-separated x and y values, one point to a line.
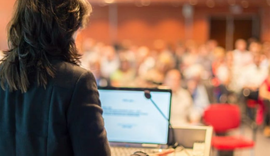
109	1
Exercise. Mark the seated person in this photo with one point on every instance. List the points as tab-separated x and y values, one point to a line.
124	76
264	93
198	92
252	77
220	70
181	99
242	57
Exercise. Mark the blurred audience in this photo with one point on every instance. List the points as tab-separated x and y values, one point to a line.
208	73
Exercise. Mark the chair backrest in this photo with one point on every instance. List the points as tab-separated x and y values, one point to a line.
222	117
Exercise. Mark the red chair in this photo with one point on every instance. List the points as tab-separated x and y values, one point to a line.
224	117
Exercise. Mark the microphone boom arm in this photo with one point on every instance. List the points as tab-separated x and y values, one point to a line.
160	111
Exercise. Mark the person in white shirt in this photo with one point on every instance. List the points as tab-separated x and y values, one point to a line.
241	56
110	63
181	99
252	78
253	75
241	59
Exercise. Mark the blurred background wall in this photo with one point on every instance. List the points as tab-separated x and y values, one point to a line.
6	8
144	21
223	20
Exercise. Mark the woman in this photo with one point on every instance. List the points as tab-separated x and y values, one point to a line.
49	106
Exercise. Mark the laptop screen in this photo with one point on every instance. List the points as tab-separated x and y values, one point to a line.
132	118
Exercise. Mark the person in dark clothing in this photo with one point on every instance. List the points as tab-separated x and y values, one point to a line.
49	106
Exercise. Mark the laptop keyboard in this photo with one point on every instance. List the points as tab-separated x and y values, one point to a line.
126	151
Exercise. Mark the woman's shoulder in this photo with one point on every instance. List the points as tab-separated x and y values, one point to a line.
67	73
63	67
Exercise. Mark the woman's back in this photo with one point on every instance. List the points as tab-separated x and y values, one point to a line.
63	119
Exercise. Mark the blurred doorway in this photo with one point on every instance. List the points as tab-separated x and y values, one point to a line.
218	30
226	30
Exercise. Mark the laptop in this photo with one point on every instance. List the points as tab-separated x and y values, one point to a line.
132	120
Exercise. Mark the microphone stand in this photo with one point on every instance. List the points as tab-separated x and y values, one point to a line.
148	96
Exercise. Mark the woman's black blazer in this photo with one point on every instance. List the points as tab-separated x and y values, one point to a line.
65	119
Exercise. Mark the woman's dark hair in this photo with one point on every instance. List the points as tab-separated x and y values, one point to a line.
41	30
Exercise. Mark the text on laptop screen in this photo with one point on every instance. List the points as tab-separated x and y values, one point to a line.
130	117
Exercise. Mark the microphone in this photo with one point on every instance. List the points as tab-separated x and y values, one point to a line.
147	95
